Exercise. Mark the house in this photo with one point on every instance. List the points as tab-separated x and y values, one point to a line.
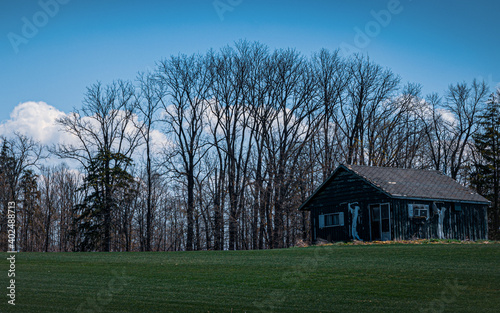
381	203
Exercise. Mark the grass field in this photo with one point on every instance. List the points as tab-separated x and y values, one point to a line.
371	278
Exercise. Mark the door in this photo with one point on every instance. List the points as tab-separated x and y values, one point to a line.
380	222
385	217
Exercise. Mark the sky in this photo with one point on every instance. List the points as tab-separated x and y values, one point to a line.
51	50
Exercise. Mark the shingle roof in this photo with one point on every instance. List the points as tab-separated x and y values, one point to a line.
413	183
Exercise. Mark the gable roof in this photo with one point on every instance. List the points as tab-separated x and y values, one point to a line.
409	184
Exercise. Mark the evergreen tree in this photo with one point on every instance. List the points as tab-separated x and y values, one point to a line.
103	186
487	174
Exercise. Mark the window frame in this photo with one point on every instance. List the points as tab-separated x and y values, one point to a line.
413	208
322	219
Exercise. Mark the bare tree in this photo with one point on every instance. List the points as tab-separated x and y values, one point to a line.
149	100
65	186
392	131
48	202
437	132
464	102
186	80
370	86
333	78
292	98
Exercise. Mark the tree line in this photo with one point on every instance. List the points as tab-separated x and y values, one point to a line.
218	150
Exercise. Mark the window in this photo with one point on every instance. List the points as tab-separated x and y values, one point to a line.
457	206
331	220
418	211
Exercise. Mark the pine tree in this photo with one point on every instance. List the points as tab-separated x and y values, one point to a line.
487	175
102	186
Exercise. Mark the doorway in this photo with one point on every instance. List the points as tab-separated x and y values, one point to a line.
380	222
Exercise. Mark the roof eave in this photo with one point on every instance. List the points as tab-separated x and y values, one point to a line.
441	200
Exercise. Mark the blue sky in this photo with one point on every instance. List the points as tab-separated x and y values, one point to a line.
434	43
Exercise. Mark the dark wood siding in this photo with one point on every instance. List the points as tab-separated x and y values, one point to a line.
467	224
344	188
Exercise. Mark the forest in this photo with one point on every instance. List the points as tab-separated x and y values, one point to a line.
217	151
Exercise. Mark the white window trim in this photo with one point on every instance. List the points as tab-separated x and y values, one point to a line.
414	207
321	220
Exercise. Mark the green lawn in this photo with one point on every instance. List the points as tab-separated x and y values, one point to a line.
371	278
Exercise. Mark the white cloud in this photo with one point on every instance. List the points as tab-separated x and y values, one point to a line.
447	116
159	141
36	120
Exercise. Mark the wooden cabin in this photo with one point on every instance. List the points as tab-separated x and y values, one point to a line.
381	203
